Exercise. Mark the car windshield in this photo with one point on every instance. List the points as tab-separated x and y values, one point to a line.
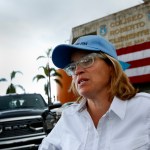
26	101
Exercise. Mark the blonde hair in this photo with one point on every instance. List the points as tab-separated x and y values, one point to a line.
120	85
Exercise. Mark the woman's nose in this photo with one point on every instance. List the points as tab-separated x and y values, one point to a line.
79	70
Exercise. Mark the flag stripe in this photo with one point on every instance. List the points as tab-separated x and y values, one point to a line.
134	48
139	63
138	71
140	79
138	56
135	56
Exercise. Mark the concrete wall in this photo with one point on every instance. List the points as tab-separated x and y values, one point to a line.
125	28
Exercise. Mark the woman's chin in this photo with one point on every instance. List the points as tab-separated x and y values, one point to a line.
84	93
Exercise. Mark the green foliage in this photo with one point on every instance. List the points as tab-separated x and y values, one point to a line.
38	77
12	88
13	74
46	89
2	80
48	73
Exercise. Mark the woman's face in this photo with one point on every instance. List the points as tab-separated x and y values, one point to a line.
91	81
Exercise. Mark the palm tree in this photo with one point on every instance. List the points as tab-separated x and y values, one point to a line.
48	72
12	88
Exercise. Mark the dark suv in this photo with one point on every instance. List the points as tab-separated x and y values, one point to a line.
21	122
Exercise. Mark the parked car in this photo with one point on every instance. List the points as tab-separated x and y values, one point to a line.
21	121
52	115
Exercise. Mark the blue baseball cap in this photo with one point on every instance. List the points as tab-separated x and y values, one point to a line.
61	55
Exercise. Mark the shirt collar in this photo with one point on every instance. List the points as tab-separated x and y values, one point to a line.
118	106
82	105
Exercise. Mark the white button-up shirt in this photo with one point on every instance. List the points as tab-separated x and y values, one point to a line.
125	126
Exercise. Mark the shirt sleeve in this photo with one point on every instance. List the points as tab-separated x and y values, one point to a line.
45	145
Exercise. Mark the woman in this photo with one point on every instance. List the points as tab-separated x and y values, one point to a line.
109	114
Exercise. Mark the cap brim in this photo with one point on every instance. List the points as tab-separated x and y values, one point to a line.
62	53
124	65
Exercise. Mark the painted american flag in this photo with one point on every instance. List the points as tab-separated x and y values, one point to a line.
138	56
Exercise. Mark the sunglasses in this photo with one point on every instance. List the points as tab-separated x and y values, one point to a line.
85	62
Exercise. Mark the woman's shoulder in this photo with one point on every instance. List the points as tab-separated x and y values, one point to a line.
143	96
139	106
70	108
141	100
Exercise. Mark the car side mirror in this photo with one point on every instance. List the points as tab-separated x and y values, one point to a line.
50	117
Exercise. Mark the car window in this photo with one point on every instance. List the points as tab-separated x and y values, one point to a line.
22	101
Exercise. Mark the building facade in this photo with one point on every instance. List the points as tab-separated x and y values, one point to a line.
129	31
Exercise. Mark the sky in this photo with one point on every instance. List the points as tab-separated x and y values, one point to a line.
28	28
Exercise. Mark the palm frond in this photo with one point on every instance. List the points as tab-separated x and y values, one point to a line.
58	82
13	74
52	70
21	87
3	79
38	77
46	70
40	57
48	52
56	74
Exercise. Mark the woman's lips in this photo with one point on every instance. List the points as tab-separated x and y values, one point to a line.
82	81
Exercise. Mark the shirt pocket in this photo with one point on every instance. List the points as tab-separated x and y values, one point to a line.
139	143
